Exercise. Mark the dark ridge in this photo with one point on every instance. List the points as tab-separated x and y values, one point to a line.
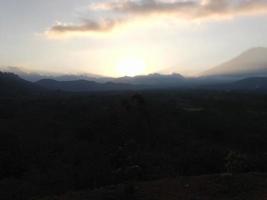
12	84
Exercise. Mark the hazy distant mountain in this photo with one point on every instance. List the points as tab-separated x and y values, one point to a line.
35	76
83	85
250	63
88	77
150	80
11	84
157	80
249	84
124	83
161	80
252	84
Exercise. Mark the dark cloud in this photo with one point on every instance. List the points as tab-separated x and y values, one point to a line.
120	11
191	9
151	6
85	26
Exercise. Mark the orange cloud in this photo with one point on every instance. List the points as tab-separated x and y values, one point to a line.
111	14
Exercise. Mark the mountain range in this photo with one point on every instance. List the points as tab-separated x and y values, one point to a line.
84	85
244	72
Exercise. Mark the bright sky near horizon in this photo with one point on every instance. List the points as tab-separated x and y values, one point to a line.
128	37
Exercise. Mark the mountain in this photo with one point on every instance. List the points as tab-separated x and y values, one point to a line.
249	84
11	84
252	62
159	80
123	83
83	85
36	76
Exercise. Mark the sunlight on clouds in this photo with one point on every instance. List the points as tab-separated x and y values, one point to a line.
104	29
106	16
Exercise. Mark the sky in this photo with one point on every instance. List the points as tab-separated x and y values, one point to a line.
128	37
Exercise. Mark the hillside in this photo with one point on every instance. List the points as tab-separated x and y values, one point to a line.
252	62
255	83
11	84
251	84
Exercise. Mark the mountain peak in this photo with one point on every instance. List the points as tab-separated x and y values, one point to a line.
251	62
256	51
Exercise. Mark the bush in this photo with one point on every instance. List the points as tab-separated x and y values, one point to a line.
236	162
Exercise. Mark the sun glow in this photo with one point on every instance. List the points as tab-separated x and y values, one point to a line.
131	66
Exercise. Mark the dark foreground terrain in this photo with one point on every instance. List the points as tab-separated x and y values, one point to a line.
215	187
128	145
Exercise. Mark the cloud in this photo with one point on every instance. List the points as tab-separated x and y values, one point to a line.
190	9
107	15
85	26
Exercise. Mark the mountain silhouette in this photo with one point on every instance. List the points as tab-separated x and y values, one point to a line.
252	62
11	84
123	83
249	84
83	85
154	80
36	76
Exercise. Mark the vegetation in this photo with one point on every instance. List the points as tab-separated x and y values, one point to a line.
55	143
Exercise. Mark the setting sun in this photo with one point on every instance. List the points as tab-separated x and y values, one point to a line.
131	67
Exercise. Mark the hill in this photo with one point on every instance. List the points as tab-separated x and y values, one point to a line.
11	84
252	62
251	84
154	80
82	85
123	83
255	83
